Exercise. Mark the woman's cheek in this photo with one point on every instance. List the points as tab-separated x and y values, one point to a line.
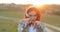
34	18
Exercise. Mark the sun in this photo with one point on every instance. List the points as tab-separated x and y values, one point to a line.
34	2
39	2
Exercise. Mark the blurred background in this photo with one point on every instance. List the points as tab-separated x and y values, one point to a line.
11	11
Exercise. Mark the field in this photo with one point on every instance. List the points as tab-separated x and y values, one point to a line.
51	19
7	25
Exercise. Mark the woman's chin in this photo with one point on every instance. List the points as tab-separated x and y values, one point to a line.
33	19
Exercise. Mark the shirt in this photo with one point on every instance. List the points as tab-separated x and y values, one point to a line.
22	22
31	29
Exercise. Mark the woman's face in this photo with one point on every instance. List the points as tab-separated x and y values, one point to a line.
32	15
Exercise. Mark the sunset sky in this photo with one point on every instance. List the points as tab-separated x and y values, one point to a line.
35	2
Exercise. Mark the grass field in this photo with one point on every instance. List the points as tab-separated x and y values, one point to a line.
54	30
51	19
7	25
13	14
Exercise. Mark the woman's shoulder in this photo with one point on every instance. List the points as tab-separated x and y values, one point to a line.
21	20
42	23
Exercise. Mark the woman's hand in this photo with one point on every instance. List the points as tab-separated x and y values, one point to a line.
36	24
28	23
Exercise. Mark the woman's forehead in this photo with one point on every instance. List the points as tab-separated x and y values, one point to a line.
32	13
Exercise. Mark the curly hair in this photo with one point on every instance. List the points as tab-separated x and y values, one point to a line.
36	10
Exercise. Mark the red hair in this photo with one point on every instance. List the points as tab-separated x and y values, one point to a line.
36	10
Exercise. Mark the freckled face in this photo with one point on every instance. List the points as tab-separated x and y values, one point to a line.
32	15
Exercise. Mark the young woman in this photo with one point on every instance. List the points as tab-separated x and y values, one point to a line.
32	22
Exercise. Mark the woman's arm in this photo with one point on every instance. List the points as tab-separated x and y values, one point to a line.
43	27
20	26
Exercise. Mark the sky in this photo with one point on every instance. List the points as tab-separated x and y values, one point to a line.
36	2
